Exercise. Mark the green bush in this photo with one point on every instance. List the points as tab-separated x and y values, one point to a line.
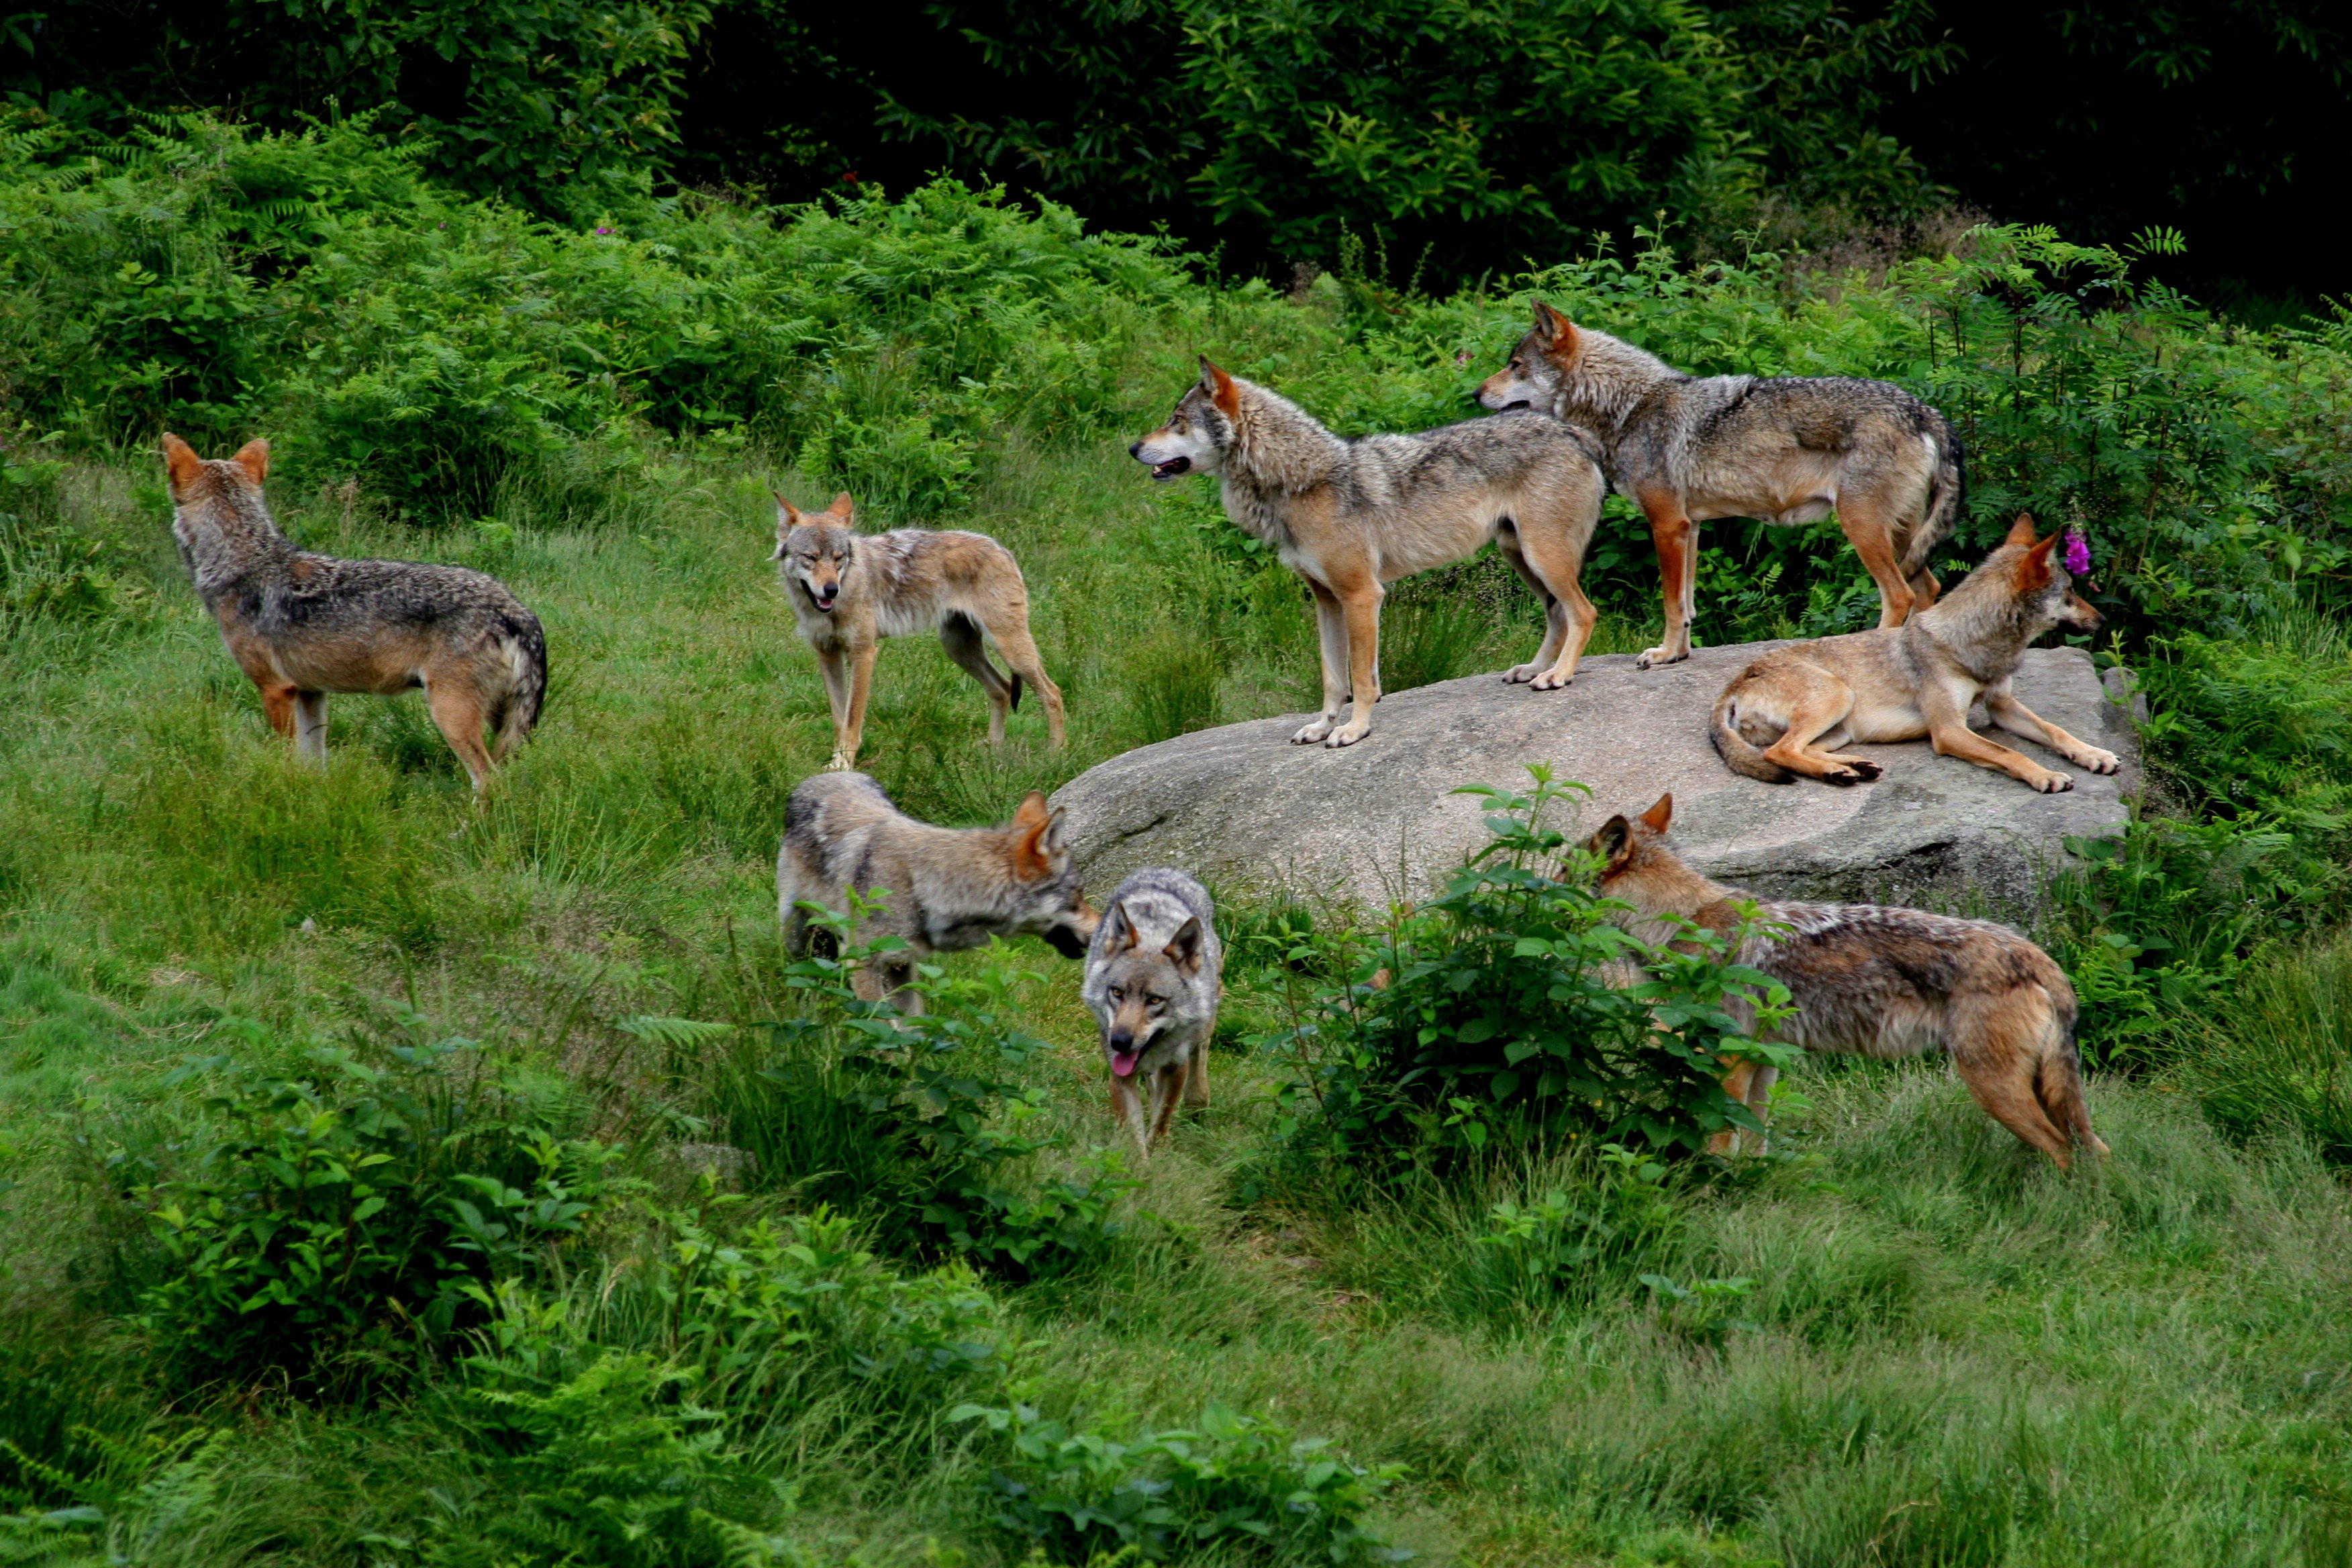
1511	1015
327	1216
1569	1240
1235	1484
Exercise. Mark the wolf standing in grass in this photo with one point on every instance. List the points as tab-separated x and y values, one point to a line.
849	592
1350	515
1802	703
1784	449
1881	982
1154	976
948	888
301	625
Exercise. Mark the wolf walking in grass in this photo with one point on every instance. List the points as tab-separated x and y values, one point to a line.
1876	981
947	887
1784	449
1789	712
302	625
1154	976
849	591
1350	515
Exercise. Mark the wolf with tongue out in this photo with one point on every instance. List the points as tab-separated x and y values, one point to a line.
1153	981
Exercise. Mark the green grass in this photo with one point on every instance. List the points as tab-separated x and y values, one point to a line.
1947	1354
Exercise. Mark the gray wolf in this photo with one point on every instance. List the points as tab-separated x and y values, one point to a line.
948	888
1878	981
849	591
1350	515
1153	981
1801	703
301	624
1784	449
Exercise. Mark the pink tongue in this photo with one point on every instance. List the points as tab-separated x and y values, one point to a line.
1123	1063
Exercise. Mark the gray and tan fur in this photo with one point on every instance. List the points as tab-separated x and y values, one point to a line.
848	591
1350	515
948	888
1783	450
301	624
1153	981
1790	709
1876	981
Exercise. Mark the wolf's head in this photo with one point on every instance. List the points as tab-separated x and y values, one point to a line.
1199	433
218	518
2023	588
1640	868
1531	378
1049	898
1137	988
814	550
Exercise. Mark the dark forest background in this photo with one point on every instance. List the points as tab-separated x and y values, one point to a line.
1429	139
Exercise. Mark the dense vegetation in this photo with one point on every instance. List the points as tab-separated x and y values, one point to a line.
392	1181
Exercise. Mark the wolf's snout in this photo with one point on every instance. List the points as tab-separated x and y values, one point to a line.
1172	468
1135	451
1123	1054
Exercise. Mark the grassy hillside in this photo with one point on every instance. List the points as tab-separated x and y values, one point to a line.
241	1002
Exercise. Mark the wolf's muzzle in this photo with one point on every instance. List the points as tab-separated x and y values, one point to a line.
1173	467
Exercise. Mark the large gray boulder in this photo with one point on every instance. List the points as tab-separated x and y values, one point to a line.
1249	812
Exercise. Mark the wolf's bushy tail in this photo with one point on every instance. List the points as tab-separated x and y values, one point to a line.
2059	1082
1947	498
524	643
1734	748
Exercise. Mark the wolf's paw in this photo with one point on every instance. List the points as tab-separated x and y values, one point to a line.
1654	656
838	764
1553	680
2055	783
1311	734
2098	761
1520	674
1348	734
1842	776
1864	769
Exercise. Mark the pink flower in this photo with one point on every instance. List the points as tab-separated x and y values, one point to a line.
2078	555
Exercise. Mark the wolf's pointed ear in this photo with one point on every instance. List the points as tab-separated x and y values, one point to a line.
1658	815
1056	827
1185	947
1613	843
2034	572
1220	388
788	517
841	507
1558	330
254	458
1031	858
180	463
1122	929
2021	530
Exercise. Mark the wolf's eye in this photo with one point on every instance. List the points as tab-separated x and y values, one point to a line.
1155	1003
1514	364
1118	993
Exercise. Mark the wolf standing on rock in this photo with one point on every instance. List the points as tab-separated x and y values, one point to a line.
1783	450
1348	515
301	625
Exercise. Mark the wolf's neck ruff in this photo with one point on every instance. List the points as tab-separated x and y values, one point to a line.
1610	380
226	536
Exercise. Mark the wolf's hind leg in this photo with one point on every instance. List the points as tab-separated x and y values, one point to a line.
310	726
1868	525
1996	1046
1019	650
457	710
1821	706
1555	564
960	635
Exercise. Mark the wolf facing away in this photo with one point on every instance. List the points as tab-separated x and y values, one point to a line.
848	591
1876	981
948	888
302	625
1783	450
1154	976
1799	704
1350	515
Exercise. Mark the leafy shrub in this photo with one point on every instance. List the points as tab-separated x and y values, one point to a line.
914	1123
1512	1011
339	1208
1235	1483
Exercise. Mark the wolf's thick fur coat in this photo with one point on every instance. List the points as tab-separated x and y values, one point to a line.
301	624
1785	450
1790	709
1876	981
848	591
1350	515
1154	976
948	888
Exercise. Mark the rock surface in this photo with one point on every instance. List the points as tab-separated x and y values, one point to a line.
1247	812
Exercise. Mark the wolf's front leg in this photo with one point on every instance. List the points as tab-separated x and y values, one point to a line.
1361	607
1126	1108
2004	707
310	726
1331	633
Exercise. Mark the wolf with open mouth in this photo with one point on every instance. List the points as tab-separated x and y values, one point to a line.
1153	981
